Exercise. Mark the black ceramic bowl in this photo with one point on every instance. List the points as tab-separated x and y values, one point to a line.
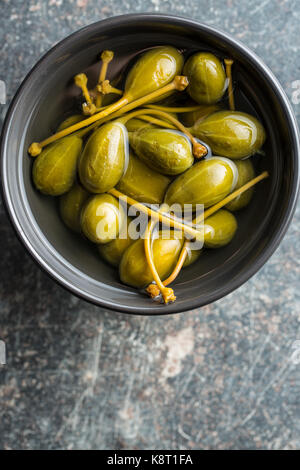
48	90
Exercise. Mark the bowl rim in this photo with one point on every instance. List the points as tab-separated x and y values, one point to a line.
272	245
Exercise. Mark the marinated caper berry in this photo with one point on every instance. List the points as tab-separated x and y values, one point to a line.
54	170
190	118
142	183
103	159
134	269
135	124
70	206
246	173
192	257
219	229
101	218
163	150
206	182
232	134
113	251
69	121
153	69
206	77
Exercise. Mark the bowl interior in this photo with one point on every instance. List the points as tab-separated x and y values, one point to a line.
48	94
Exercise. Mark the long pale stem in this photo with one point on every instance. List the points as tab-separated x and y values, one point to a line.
153	289
228	66
211	210
81	133
106	57
167	293
199	150
206	214
176	109
155	215
158	122
179	264
179	83
81	81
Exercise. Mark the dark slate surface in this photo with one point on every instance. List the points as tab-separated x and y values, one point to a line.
78	377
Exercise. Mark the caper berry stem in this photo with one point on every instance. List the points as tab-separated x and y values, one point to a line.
208	213
176	109
167	293
179	264
228	67
179	83
230	197
156	215
154	289
105	88
140	113
84	132
158	122
106	57
81	81
199	150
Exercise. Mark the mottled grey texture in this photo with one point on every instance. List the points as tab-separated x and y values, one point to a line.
219	377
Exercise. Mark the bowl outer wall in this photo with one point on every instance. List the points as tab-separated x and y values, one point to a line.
52	262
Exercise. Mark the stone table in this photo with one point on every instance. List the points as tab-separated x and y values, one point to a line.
224	376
